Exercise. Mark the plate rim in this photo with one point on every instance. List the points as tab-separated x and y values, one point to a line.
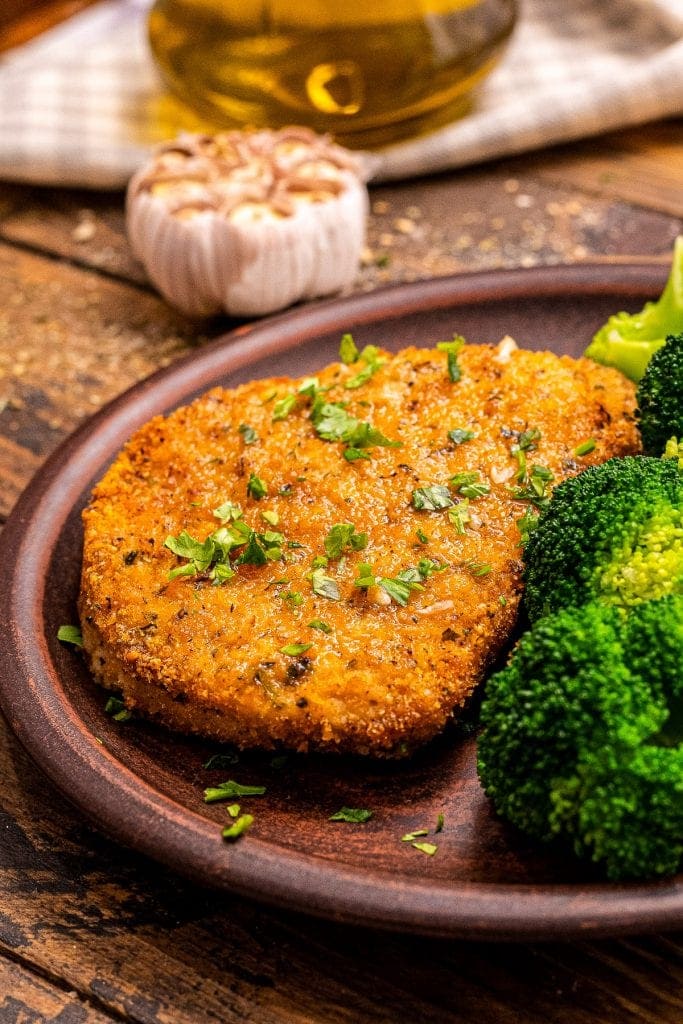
37	708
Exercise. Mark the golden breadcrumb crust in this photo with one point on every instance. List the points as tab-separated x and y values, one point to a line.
385	678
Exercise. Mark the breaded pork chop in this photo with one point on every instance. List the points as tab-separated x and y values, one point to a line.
333	563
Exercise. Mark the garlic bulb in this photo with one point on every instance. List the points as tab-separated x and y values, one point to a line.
248	222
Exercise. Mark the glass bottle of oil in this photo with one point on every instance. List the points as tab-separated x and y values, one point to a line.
369	72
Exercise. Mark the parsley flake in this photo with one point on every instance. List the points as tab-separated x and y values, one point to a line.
222	760
439	823
229	790
324	586
372	364
256	488
586	447
354	815
238	827
333	423
70	635
343	537
459	515
428	848
283	407
526	524
451	348
348	350
534	487
460	435
320	625
432	499
294	650
479	568
249	435
228	512
118	710
410	837
469	485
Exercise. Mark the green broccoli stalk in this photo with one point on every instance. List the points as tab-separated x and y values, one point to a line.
660	397
583	735
628	340
613	534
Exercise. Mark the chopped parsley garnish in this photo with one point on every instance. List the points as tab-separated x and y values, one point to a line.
525	525
354	815
422	536
293	598
213	554
459	515
439	823
348	350
229	790
333	423
365	576
283	407
399	587
319	624
294	650
502	600
372	364
70	635
432	499
118	710
309	387
343	537
528	440
428	848
228	512
271	517
256	487
469	485
222	760
460	435
249	435
410	837
534	487
451	348
324	586
586	447
238	827
479	568
427	566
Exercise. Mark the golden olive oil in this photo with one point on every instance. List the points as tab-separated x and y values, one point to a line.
368	71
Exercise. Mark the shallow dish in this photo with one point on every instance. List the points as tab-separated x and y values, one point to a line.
144	785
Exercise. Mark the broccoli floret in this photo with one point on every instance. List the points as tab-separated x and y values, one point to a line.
583	735
628	340
660	397
614	534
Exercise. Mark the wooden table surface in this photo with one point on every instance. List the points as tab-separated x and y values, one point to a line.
90	932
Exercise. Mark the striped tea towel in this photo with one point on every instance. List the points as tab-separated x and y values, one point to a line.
83	105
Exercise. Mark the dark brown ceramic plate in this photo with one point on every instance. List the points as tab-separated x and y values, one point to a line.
144	785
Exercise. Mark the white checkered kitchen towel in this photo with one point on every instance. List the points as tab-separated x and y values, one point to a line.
80	105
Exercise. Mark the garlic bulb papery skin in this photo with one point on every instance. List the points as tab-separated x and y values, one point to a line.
248	223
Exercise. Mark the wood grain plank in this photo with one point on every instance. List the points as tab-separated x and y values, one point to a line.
27	999
511	214
154	949
641	166
70	340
